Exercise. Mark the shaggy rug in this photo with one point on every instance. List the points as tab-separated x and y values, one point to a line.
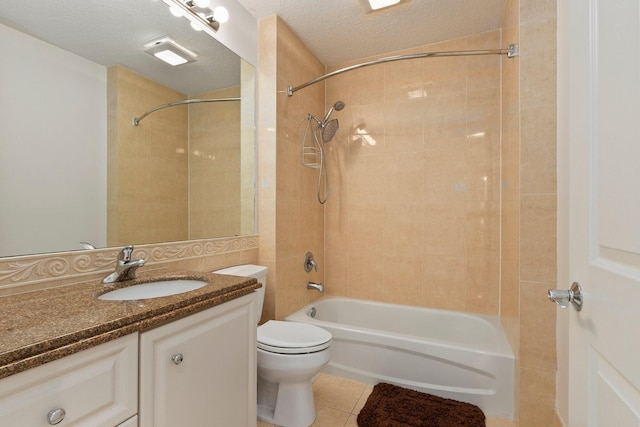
393	406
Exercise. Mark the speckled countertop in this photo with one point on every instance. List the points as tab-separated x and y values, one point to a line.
38	327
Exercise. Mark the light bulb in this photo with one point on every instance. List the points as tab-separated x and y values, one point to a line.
220	14
202	3
176	11
196	25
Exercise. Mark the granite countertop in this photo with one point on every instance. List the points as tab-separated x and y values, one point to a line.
38	327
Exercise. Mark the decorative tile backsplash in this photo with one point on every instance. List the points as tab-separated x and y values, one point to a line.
32	272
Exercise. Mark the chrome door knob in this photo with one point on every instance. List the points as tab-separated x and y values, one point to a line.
177	358
563	298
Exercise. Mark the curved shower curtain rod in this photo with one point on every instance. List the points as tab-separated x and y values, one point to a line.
137	120
510	51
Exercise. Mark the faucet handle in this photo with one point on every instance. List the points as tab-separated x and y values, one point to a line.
125	253
309	262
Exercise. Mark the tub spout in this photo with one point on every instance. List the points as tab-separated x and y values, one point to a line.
317	286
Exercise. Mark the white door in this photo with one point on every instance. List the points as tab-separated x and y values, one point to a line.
604	211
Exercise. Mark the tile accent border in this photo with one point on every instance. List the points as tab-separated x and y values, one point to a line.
30	272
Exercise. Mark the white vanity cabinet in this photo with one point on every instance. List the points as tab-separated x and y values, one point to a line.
95	387
201	370
131	422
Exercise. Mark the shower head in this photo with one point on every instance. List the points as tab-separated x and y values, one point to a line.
337	106
329	130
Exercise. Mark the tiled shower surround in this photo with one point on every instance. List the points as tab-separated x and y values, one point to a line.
160	173
442	184
414	211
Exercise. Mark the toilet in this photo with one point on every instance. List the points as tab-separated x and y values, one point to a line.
289	355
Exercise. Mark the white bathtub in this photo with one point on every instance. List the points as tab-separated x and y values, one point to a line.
450	354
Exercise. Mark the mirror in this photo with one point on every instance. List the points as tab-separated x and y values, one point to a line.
74	168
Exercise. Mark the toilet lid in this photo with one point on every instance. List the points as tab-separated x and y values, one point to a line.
284	337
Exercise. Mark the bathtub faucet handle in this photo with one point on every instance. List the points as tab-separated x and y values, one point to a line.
317	286
309	262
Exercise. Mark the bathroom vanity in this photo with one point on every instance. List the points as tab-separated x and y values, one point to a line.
186	359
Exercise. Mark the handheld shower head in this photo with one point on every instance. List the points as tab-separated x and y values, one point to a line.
329	130
337	106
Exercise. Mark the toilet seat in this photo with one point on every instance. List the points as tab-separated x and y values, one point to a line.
282	337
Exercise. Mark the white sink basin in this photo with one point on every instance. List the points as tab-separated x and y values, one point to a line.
153	290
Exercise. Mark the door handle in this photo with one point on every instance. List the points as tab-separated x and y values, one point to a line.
563	298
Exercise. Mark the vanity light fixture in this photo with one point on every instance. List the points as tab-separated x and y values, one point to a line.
170	51
201	15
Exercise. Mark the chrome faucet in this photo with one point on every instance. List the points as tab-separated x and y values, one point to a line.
125	267
317	286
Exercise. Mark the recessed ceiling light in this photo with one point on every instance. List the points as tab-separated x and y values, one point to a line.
170	51
379	4
375	5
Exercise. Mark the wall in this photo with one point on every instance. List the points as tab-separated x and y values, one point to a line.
52	117
415	218
510	220
537	212
290	219
215	163
177	175
248	151
147	176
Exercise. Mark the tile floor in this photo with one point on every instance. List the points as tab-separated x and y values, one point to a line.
338	402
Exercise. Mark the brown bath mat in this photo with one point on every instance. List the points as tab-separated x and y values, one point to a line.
393	406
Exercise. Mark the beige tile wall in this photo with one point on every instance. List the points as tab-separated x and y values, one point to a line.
215	163
178	174
510	221
290	218
414	212
248	149
146	163
537	204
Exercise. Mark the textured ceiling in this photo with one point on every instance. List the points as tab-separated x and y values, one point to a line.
112	32
339	31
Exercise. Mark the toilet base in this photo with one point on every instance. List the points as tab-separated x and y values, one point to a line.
286	404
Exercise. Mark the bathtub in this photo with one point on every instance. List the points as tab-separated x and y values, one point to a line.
450	354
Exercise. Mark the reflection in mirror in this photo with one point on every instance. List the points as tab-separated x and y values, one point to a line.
74	168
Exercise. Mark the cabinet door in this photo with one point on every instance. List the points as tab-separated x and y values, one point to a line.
131	422
201	370
95	387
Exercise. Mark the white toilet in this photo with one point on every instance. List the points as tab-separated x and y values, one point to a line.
289	355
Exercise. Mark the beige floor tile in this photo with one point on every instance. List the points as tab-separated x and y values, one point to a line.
338	402
337	393
328	417
500	422
363	399
352	421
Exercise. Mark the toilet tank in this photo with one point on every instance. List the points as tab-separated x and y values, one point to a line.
258	272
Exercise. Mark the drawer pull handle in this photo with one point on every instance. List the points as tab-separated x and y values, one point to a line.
177	358
56	416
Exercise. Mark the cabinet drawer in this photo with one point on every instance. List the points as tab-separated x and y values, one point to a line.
95	387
